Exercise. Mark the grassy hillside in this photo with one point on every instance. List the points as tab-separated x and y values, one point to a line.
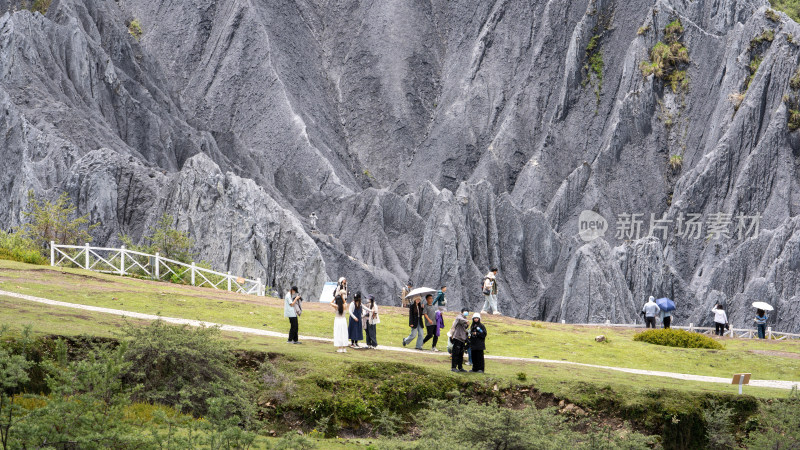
314	379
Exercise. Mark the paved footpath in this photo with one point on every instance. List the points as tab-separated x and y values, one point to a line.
779	384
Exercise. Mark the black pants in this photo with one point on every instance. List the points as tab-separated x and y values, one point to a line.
293	329
719	329
372	340
431	334
458	355
667	321
650	322
477	360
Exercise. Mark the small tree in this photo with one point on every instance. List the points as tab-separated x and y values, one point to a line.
48	221
168	241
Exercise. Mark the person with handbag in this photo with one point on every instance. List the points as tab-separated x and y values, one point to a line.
720	319
292	309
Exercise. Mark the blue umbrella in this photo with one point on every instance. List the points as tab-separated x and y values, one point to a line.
665	304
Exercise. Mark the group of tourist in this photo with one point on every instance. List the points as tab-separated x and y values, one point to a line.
651	311
359	317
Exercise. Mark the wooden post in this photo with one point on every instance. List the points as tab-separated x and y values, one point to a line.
769	332
122	260
52	253
158	263
691	327
86	250
229	281
192	273
260	290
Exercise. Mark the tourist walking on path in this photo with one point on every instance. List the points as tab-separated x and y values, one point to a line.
408	287
761	323
340	324
720	319
429	314
439	301
292	309
355	327
477	342
415	313
370	320
490	292
666	318
650	310
458	335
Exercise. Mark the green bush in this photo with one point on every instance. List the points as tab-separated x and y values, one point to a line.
187	368
677	338
16	247
790	7
455	424
669	59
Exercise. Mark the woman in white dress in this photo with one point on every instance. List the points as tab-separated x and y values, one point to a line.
340	338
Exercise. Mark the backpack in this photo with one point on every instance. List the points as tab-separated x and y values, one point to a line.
298	309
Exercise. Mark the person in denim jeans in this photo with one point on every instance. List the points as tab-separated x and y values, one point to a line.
415	313
761	323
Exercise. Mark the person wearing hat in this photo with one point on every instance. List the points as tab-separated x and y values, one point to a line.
403	300
477	342
341	289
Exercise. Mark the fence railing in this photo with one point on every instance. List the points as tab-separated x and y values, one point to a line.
122	261
741	333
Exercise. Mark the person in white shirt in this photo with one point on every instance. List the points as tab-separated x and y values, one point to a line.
650	311
720	319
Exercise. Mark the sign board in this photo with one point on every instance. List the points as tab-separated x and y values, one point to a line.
741	379
327	292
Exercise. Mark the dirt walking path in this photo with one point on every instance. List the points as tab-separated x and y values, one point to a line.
778	384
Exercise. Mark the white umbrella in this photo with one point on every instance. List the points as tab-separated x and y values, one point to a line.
762	305
421	291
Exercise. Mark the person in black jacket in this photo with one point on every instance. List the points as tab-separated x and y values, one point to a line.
415	313
477	342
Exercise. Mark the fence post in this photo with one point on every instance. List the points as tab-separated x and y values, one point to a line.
192	273
52	253
229	281
122	260
691	326
158	263
86	250
259	291
769	332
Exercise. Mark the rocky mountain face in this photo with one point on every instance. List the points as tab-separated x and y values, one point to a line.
433	140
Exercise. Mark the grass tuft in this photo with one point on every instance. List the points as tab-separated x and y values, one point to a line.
677	338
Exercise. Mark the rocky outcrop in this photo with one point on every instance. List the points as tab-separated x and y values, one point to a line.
433	140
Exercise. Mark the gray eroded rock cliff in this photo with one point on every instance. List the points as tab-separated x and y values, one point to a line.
433	140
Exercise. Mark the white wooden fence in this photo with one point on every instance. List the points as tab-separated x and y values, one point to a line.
123	262
741	333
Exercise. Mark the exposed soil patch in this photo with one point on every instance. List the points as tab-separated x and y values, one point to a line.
776	353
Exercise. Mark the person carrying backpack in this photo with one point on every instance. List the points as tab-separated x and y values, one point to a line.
490	292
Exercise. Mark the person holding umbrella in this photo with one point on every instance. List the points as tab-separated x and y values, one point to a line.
666	306
761	318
